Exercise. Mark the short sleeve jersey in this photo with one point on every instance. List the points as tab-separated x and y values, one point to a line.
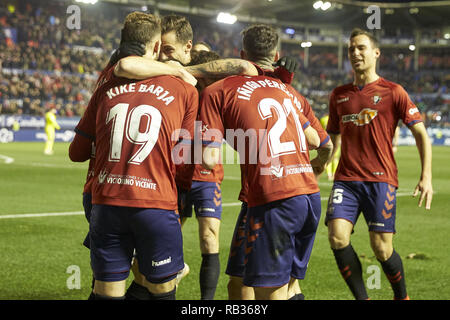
304	107
106	75
136	126
260	118
366	119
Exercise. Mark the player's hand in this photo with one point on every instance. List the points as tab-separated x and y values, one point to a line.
426	192
317	166
131	48
127	49
186	76
288	63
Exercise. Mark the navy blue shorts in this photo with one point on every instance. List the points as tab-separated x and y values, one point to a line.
87	205
206	197
376	200
115	232
236	257
280	238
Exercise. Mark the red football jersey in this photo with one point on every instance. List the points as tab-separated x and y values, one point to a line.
106	75
307	111
136	125
366	120
260	118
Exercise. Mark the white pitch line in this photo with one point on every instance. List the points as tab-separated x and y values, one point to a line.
74	213
7	159
36	215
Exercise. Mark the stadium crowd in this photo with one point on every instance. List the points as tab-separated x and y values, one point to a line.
43	63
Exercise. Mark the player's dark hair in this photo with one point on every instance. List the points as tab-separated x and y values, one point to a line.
203	43
179	24
199	57
141	27
372	38
259	41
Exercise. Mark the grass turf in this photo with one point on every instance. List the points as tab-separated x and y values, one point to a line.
36	252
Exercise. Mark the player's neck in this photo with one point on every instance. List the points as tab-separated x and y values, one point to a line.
265	64
364	78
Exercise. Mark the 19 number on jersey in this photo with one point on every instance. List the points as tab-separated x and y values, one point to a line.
121	122
278	148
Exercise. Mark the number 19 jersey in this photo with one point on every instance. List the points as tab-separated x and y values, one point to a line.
259	117
136	125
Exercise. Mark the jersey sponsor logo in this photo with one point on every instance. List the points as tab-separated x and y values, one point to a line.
281	171
102	176
411	111
342	100
277	171
360	119
376	99
377	173
161	262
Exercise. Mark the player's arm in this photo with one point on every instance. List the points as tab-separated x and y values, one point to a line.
312	137
211	157
80	148
424	147
55	124
324	153
139	68
223	68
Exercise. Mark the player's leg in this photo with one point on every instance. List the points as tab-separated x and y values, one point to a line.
48	149
304	240
235	266
137	289
209	247
269	293
207	200
104	289
342	214
111	249
159	250
390	261
238	291
380	216
270	248
294	291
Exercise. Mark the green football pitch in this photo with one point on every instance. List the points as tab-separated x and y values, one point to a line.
42	254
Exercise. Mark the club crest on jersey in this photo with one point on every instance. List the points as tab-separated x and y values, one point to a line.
360	119
376	99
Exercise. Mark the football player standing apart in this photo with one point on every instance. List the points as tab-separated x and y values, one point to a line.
50	126
363	117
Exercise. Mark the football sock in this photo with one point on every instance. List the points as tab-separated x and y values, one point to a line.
298	296
137	292
163	296
95	296
209	275
351	270
393	268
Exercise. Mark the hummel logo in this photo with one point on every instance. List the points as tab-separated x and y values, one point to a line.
162	262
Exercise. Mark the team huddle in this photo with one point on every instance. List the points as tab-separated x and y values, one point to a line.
153	134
